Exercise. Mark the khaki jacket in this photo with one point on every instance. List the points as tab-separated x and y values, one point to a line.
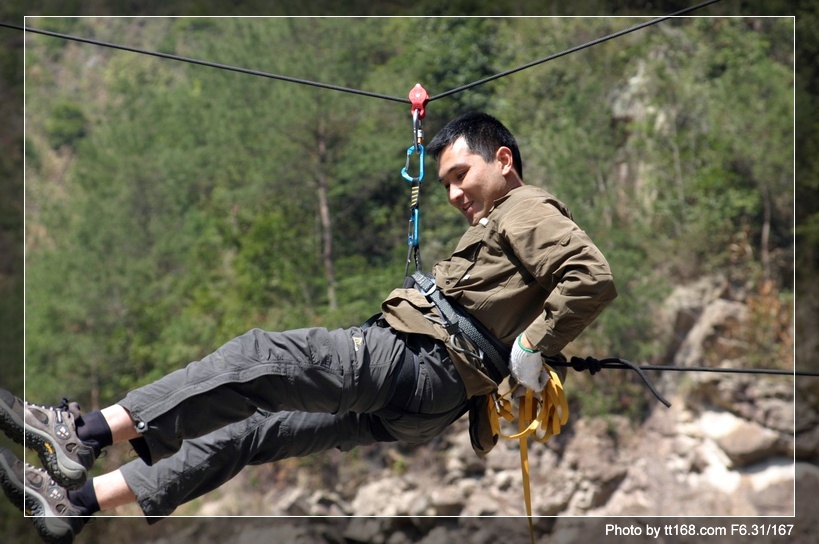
525	267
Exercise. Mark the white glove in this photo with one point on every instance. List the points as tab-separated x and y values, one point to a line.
526	365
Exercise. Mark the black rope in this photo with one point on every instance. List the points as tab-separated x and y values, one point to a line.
594	366
207	63
731	370
572	50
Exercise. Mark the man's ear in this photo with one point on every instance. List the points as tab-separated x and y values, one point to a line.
504	157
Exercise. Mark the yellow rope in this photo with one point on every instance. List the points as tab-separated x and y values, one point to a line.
548	413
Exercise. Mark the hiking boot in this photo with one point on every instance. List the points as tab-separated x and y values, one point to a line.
51	431
11	416
31	489
11	477
56	519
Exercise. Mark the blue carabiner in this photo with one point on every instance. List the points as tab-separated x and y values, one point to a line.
413	236
404	172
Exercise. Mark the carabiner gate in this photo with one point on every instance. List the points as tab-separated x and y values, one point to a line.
404	171
412	238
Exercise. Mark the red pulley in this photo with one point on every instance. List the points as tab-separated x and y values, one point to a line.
418	97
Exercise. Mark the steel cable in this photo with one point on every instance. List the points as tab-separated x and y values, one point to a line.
302	81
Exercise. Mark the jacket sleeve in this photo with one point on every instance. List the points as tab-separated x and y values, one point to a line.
566	263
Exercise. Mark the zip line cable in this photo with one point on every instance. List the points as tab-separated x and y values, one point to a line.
591	364
348	89
573	49
204	63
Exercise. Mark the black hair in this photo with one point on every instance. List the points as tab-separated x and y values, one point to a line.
484	135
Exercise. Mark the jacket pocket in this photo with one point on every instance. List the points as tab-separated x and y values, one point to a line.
455	270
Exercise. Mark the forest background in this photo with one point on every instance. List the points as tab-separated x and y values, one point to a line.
169	207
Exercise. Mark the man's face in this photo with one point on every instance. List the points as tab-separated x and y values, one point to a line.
472	183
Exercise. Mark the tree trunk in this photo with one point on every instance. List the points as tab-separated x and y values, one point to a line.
765	235
678	176
322	184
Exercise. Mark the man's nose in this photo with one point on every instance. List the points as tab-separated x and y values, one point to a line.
455	194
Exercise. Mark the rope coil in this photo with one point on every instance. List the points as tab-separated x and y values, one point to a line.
540	415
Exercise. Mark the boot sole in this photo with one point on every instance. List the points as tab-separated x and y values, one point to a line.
62	470
12	485
51	527
10	423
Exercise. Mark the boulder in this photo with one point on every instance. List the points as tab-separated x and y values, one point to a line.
744	442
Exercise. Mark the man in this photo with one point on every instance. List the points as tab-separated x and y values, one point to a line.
523	269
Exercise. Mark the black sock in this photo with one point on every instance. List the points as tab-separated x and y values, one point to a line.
94	431
85	499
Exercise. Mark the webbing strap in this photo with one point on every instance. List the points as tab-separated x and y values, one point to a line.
552	415
458	320
524	468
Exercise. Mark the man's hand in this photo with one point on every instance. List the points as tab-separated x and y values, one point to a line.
526	365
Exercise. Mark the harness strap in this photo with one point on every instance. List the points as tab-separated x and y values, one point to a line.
457	320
